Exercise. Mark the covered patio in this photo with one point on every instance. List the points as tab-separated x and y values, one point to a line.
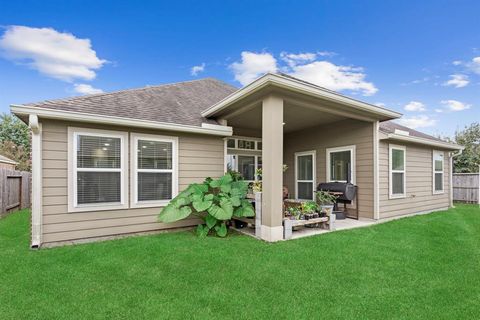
319	135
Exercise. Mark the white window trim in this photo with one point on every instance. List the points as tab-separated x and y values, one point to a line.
236	138
434	153
73	134
134	137
353	151
313	153
392	147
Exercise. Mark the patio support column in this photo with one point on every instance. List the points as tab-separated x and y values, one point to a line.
272	175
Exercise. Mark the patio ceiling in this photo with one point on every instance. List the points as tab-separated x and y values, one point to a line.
295	118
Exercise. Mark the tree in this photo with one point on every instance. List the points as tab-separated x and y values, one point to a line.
15	141
469	160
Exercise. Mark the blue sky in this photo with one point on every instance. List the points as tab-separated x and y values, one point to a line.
416	57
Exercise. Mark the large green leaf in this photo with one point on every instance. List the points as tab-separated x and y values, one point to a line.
181	201
222	212
242	186
245	210
235	201
221	230
198	188
210	221
201	205
202	230
171	213
224	183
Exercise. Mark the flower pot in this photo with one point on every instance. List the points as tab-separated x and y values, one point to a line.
327	208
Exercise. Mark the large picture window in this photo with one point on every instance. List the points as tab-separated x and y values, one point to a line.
341	164
397	169
305	175
154	169
97	162
438	171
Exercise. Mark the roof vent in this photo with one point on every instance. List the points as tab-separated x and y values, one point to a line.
402	132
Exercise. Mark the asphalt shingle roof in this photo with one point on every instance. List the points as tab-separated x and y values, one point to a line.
390	126
180	103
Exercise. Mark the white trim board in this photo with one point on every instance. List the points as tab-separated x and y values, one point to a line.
300	87
210	129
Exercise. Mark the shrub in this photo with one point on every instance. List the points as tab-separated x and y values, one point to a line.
214	201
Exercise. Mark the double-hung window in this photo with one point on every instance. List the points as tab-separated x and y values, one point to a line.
438	165
305	175
97	163
341	164
397	176
154	169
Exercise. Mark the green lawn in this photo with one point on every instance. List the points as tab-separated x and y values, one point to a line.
425	267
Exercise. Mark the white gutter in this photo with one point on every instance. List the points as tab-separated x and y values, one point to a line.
36	128
300	87
209	129
433	143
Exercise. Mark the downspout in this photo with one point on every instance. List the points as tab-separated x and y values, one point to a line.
36	128
376	171
451	156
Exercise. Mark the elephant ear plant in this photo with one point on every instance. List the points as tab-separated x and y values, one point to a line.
215	201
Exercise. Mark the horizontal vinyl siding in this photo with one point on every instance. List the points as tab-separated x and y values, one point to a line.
199	157
339	134
419	179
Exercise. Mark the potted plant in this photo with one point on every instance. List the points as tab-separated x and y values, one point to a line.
294	212
309	209
326	201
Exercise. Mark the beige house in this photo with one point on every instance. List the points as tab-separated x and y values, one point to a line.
106	164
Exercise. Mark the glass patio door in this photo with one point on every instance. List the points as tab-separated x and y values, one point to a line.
305	175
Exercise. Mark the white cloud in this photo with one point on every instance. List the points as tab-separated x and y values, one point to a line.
380	104
292	59
414	106
86	89
454	105
252	66
334	77
457	81
197	69
439	110
457	62
306	67
414	122
58	55
475	65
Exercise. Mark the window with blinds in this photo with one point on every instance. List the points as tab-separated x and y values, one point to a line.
154	164
97	160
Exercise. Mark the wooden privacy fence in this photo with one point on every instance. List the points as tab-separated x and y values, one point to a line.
15	190
466	187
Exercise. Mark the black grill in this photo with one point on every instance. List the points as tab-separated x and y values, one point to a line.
347	189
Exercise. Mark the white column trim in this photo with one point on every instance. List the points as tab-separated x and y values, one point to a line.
37	190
